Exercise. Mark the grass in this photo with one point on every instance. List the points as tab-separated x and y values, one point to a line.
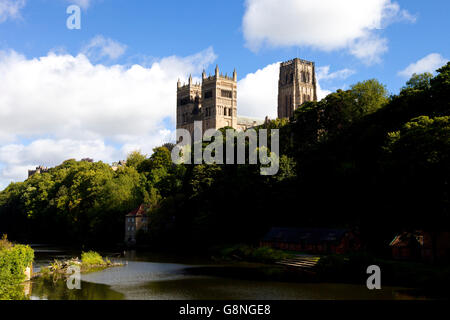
92	258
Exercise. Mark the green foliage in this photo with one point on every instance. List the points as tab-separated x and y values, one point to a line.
74	202
14	259
135	159
423	142
4	243
92	258
419	81
370	96
249	253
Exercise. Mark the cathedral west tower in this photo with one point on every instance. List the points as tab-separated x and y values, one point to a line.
297	85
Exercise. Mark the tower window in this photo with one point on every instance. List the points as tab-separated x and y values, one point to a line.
208	94
227	93
185	101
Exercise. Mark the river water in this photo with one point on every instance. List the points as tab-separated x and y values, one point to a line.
146	276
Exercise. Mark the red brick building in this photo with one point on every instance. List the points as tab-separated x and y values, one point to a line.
421	246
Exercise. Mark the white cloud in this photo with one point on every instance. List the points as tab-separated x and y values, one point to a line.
18	158
258	92
100	47
323	73
369	49
325	25
430	63
321	93
61	106
10	9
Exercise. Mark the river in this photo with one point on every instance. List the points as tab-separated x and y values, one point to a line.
147	276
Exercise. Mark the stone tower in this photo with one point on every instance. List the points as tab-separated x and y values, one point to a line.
297	84
188	104
214	102
219	100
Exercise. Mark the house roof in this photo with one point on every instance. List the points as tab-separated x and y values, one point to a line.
304	235
140	211
406	239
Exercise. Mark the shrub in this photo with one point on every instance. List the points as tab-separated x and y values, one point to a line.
14	259
4	243
262	254
92	258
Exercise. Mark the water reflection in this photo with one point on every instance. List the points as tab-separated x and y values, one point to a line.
47	289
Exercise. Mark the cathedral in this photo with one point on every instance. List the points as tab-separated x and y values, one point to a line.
214	100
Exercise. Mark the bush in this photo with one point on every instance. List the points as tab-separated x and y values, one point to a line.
92	258
248	253
14	259
4	243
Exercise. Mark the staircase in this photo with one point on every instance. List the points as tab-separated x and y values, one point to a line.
306	263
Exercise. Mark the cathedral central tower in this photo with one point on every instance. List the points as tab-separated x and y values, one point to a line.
297	85
214	102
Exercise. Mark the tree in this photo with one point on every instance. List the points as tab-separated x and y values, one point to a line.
419	81
370	96
135	159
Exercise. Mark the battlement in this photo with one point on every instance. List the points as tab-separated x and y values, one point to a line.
187	86
287	63
220	77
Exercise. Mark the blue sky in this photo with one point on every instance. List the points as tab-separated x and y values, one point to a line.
109	88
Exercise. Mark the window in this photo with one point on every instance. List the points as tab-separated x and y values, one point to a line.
227	94
185	101
208	94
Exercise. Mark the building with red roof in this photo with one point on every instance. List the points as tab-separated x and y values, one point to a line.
136	221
